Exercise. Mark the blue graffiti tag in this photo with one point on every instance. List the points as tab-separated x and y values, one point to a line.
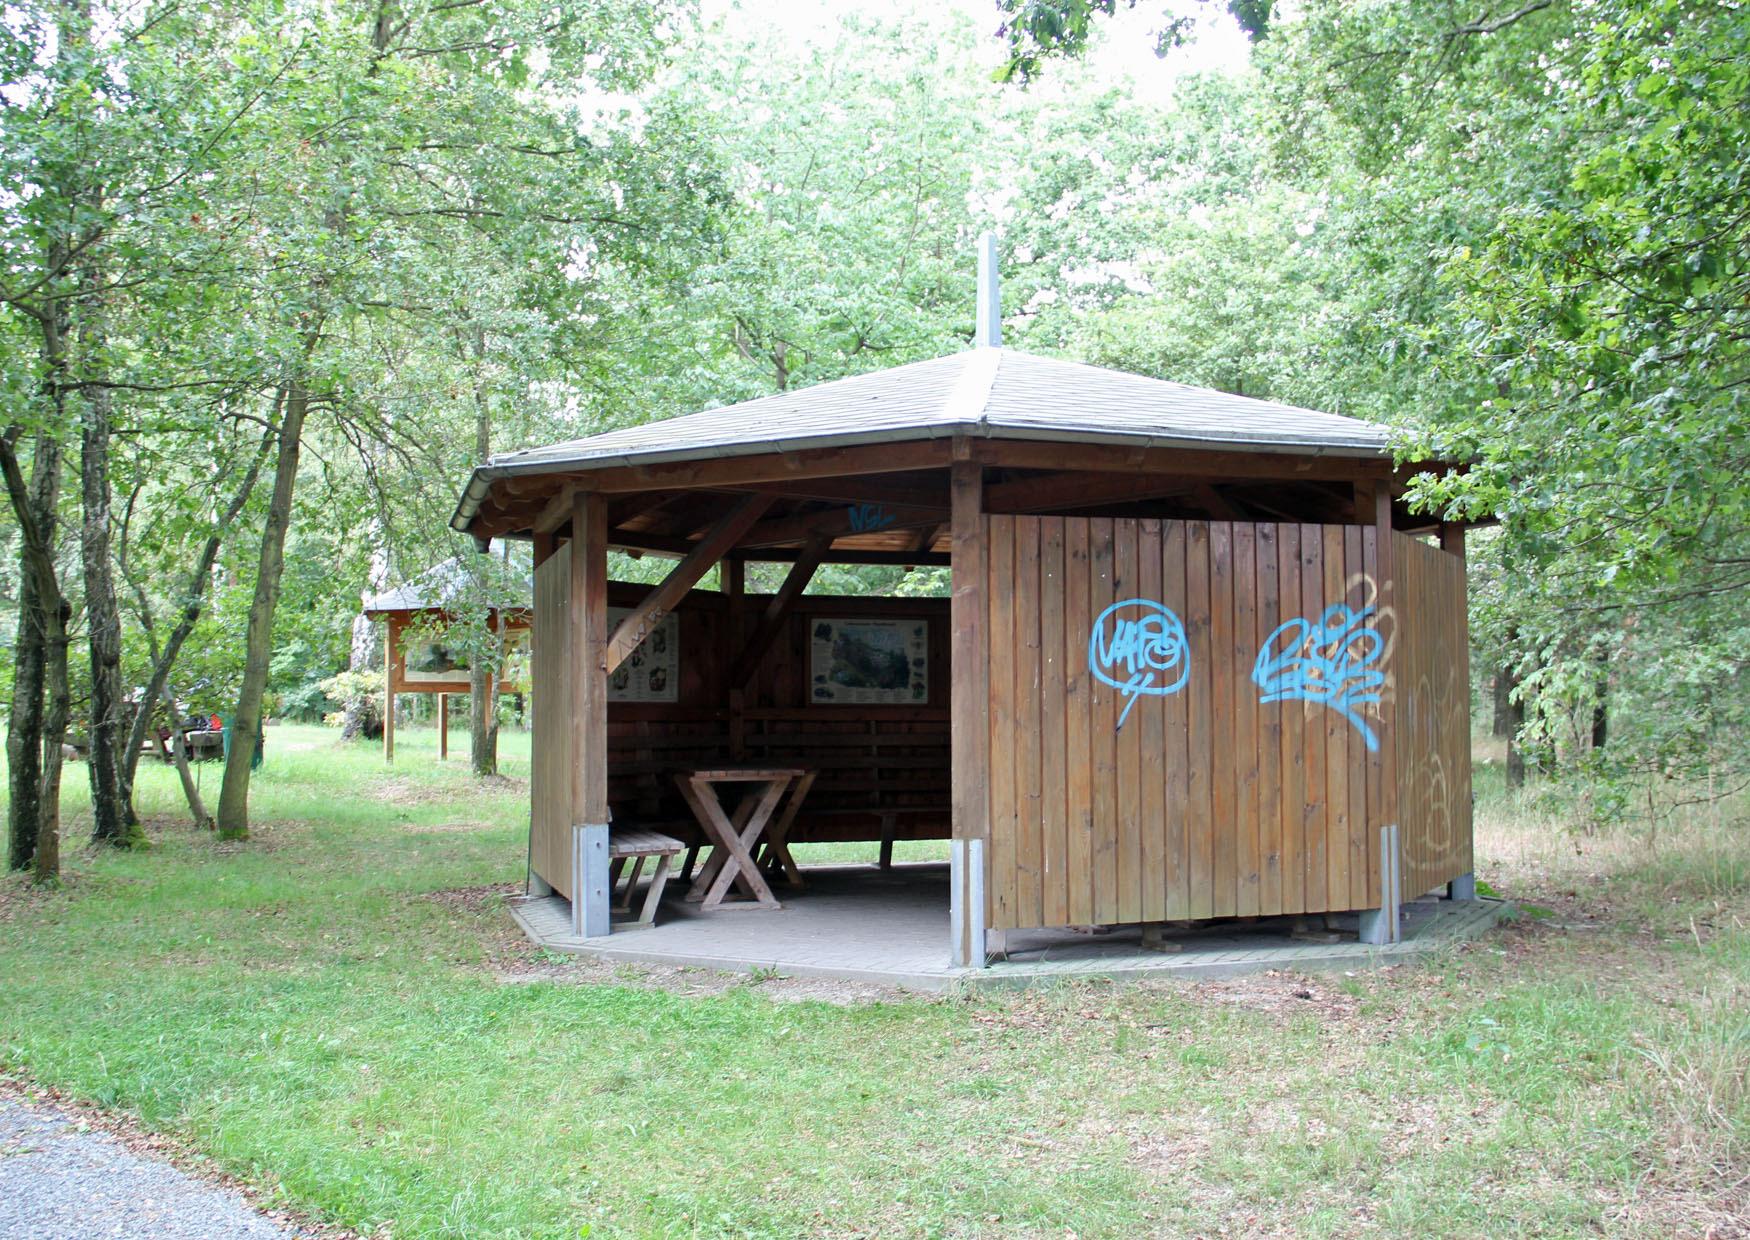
1330	660
1147	648
867	518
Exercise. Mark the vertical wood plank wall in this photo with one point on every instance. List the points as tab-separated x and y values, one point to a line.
550	761
1209	801
1433	715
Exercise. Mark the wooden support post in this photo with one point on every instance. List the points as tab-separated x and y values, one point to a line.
443	727
587	613
1390	871
969	704
389	691
777	612
683	577
734	581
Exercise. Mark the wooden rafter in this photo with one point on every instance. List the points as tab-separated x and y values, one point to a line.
870	518
1049	492
879	489
555	513
1215	502
683	577
630	507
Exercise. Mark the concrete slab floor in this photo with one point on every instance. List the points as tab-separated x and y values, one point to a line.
857	923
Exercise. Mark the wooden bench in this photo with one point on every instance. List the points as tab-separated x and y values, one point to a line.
638	845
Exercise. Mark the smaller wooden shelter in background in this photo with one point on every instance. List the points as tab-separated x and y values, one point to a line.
1199	661
419	609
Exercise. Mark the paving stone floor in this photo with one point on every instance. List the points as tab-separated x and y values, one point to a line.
860	924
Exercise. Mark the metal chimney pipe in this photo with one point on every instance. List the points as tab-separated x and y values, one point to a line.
990	301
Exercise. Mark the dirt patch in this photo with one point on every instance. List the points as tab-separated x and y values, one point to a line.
173	1150
445	828
502	783
1279	993
265	838
19	897
404	791
476	900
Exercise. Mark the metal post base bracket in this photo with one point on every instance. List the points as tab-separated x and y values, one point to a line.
1464	887
592	894
966	935
1381	926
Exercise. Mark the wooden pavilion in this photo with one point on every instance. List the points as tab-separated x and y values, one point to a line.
1199	661
415	659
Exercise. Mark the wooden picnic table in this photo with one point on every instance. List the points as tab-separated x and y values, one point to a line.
734	838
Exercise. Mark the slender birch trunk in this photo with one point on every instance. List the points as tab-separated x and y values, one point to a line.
179	755
246	719
482	717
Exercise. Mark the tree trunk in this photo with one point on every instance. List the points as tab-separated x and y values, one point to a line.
24	730
482	719
366	654
1515	756
258	642
1503	724
46	865
35	733
482	675
111	819
1601	708
164	660
179	755
25	723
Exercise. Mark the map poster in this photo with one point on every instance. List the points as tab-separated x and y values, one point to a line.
870	662
650	673
429	660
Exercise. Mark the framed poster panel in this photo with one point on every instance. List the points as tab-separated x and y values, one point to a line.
859	662
651	673
425	663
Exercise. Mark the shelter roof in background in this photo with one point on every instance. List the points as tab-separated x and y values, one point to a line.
441	586
986	392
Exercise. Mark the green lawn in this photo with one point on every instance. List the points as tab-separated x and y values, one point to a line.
303	1009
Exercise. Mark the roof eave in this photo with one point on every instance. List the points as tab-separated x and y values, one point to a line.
480	481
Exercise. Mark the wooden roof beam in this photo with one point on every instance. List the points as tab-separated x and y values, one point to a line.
683	577
752	472
1180	462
